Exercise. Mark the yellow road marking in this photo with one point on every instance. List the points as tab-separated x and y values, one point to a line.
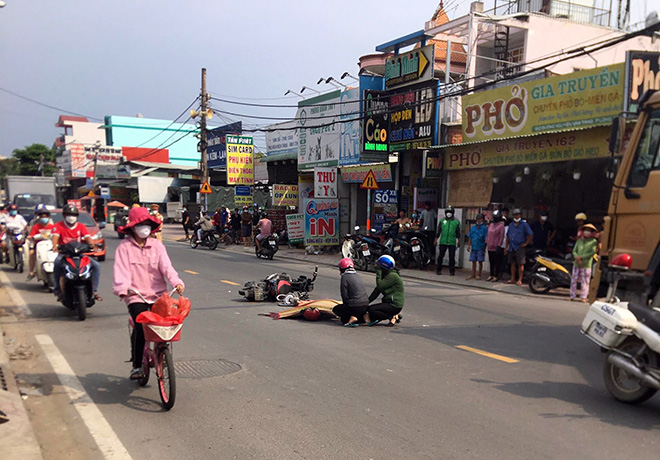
487	354
191	272
230	282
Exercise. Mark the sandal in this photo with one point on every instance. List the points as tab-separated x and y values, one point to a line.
98	297
399	318
30	276
490	278
373	323
510	282
351	325
519	283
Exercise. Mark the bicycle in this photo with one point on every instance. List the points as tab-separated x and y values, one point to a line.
158	354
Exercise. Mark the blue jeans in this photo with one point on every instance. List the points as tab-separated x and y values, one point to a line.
58	270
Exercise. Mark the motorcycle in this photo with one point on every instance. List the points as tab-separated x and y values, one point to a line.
268	246
279	284
208	239
419	247
45	259
76	281
548	274
630	335
16	249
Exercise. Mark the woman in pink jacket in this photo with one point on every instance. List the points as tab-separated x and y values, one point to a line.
141	264
494	240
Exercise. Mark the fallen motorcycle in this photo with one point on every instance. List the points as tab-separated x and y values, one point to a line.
279	284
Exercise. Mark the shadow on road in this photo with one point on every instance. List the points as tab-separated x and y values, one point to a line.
110	389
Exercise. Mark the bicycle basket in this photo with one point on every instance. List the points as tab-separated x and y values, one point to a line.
162	332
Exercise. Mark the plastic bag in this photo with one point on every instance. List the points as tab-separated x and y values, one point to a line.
172	309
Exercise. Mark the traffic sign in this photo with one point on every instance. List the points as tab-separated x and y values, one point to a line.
369	182
91	194
206	188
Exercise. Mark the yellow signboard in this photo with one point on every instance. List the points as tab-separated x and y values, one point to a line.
573	145
577	100
285	195
240	160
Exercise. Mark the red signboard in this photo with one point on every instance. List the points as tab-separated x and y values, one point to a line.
146	154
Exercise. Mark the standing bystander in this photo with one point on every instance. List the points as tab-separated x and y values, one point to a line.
448	236
477	246
518	238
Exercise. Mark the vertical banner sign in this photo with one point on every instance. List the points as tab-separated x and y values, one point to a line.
349	129
325	182
412	116
240	160
216	145
295	227
375	126
285	195
243	195
305	190
321	221
642	74
317	119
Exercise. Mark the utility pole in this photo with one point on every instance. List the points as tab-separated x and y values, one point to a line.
97	147
41	164
202	137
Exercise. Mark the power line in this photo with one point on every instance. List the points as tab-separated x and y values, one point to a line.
47	105
170	125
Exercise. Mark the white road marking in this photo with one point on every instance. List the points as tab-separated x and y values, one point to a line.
14	295
106	439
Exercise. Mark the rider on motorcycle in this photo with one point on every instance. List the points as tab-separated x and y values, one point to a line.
13	221
43	223
204	224
141	264
71	230
266	229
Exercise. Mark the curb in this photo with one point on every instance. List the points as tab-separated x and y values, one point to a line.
409	274
17	436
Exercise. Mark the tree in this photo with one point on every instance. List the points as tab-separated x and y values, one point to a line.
9	167
32	156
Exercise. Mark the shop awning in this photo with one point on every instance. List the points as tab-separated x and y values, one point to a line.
280	157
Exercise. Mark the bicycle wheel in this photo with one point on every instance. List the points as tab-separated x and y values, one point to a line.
166	378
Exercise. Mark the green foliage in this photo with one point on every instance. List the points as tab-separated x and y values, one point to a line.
9	167
30	157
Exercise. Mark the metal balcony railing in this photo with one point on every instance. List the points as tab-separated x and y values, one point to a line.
564	9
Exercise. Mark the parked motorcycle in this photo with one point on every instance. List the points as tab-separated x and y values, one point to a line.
268	246
76	281
208	239
279	284
45	259
548	274
420	247
630	334
16	249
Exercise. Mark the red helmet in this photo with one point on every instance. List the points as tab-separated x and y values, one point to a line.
312	314
345	263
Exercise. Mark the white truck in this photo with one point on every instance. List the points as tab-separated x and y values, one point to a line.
26	192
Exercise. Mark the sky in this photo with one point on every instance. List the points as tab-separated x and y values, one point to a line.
124	57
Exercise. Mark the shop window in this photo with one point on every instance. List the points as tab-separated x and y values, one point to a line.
647	157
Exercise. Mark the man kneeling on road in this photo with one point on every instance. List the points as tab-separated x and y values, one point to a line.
518	238
71	230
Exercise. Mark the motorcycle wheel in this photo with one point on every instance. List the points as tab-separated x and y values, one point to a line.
623	386
212	242
404	259
19	263
50	281
193	242
81	307
271	255
537	286
360	262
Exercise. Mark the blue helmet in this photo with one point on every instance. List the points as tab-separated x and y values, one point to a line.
385	262
40	208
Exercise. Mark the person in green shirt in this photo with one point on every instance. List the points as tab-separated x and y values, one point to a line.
447	238
584	250
390	285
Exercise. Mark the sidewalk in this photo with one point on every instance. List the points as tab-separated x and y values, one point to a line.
174	232
17	438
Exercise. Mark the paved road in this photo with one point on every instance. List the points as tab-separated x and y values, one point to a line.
320	391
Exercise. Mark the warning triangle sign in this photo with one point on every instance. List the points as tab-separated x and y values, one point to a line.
206	188
369	182
90	194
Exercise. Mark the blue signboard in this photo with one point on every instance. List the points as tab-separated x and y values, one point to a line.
321	221
216	147
382	197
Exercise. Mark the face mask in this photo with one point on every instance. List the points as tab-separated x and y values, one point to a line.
587	234
71	219
13	213
544	218
449	215
516	219
142	231
414	216
44	220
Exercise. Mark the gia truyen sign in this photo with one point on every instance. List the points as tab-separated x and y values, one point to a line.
576	100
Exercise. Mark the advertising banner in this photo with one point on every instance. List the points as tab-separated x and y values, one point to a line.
321	221
375	126
349	129
305	190
243	196
642	74
325	182
216	146
577	100
422	195
574	145
387	201
412	67
283	139
432	166
79	165
357	174
240	160
412	118
319	131
295	227
285	195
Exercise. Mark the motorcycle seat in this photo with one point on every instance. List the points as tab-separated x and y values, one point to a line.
645	315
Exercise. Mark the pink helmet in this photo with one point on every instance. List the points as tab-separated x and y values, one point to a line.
346	263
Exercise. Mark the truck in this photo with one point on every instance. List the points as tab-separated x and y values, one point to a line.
632	225
26	192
